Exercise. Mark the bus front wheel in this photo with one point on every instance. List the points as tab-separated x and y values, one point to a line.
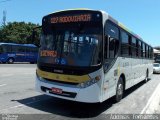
119	90
10	60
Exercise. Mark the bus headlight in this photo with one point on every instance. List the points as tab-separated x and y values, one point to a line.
39	78
89	82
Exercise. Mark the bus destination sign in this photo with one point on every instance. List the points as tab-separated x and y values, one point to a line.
72	18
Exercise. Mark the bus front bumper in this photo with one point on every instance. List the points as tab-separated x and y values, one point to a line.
89	94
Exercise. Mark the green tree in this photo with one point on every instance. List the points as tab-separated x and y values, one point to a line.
19	32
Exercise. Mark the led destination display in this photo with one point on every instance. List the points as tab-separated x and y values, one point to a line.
73	18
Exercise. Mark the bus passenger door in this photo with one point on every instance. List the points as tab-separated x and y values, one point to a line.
111	49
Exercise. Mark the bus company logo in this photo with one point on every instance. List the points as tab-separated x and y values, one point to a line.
9	117
58	71
18	54
11	55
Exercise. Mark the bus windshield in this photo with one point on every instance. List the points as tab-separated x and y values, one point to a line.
72	45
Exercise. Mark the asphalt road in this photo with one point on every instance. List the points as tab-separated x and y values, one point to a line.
18	96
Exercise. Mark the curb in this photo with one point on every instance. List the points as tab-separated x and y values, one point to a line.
153	103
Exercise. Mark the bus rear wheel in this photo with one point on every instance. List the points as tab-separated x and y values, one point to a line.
119	90
10	61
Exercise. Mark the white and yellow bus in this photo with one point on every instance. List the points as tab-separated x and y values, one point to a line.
87	56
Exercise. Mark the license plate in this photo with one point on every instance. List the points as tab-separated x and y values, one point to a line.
56	90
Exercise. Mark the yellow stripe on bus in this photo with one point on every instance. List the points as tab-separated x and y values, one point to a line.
62	77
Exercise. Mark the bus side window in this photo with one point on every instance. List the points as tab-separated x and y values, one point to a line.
144	50
111	40
14	48
34	50
125	44
139	48
147	51
21	49
7	48
150	53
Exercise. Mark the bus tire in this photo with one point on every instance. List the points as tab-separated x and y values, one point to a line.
10	60
119	90
147	76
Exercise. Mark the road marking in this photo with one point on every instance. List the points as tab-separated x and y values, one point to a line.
22	105
7	75
151	99
28	73
3	85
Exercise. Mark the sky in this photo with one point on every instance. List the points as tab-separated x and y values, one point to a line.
140	16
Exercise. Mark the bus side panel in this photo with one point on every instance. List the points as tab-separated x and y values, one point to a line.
31	57
20	57
134	71
3	57
110	81
31	54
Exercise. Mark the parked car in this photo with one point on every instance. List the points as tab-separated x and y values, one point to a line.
156	68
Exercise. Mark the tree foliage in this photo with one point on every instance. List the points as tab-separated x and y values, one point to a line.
19	32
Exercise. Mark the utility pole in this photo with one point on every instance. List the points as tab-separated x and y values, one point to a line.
4	17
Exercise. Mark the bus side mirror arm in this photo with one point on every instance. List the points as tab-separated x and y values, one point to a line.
34	32
33	36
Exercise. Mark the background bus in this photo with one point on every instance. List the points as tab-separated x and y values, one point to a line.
11	52
157	58
88	56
